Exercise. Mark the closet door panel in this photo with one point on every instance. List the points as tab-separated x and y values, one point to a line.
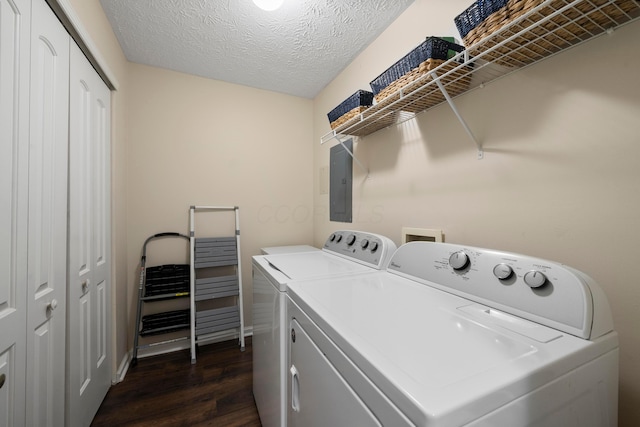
80	248
14	134
101	232
47	228
89	376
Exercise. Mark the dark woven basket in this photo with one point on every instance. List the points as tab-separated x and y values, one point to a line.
475	14
431	48
578	20
361	98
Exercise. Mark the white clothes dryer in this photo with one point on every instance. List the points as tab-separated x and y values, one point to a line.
345	253
453	335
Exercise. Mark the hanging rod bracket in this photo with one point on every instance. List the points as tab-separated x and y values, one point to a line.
365	170
443	89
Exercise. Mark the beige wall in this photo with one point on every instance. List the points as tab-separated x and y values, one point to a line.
196	141
559	179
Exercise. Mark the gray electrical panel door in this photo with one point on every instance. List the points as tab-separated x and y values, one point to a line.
340	182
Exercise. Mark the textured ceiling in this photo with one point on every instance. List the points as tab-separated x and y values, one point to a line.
297	49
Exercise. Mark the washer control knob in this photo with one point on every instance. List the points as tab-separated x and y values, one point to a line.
351	239
373	247
364	243
459	260
535	278
332	237
338	238
502	271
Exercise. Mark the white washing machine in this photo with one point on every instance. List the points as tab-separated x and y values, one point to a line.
345	253
452	335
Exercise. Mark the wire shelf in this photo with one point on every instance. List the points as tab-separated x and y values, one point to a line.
549	28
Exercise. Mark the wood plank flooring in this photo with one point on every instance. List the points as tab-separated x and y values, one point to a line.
167	390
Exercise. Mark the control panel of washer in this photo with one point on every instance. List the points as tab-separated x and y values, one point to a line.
367	248
539	290
503	270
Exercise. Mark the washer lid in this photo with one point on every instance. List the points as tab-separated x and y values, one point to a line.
436	362
309	265
285	268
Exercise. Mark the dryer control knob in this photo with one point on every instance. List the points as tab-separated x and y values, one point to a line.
351	239
373	247
535	278
502	271
332	237
459	260
338	238
364	243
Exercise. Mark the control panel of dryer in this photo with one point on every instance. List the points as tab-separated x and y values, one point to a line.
543	291
367	248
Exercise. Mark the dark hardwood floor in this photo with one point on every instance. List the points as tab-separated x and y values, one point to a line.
167	390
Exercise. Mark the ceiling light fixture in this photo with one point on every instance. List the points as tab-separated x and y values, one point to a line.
268	4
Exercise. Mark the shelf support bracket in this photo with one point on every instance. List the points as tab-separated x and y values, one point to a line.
435	77
351	154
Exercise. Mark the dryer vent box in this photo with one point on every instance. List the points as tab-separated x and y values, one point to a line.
421	234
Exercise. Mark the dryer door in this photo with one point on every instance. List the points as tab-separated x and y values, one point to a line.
318	395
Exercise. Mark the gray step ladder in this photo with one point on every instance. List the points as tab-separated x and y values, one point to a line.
216	282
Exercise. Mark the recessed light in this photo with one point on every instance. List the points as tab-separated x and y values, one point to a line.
268	4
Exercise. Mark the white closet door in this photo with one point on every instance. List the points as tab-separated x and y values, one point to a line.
14	144
89	375
47	228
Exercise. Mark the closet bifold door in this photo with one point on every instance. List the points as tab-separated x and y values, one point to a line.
89	300
15	16
47	214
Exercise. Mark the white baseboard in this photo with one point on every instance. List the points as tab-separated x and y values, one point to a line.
122	368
